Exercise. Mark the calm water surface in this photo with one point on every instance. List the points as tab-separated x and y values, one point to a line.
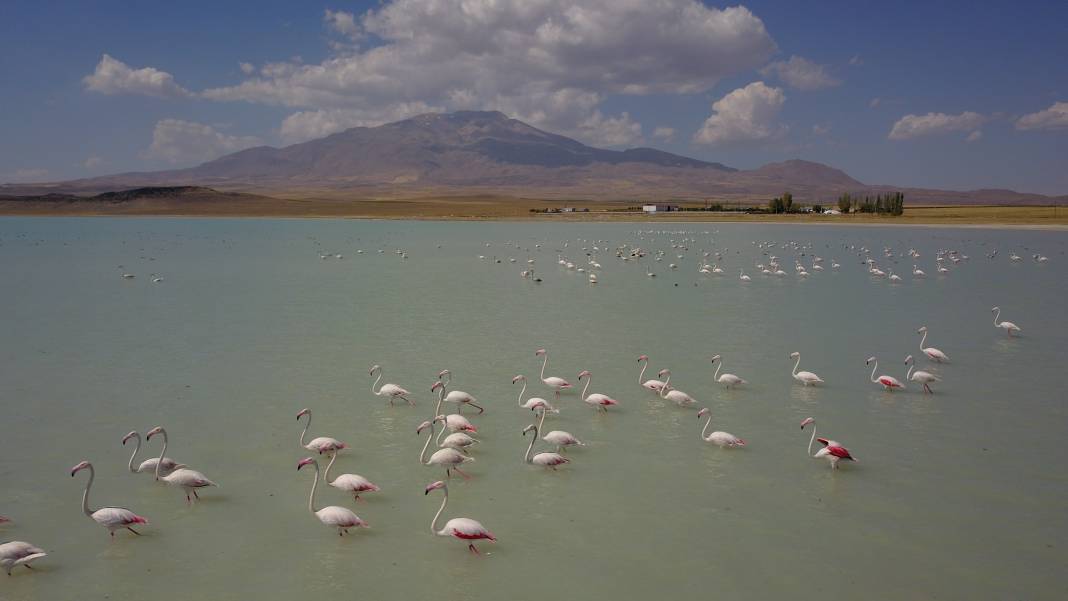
959	495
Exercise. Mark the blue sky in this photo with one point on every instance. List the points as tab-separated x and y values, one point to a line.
951	95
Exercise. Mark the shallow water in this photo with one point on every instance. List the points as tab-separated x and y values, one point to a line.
957	495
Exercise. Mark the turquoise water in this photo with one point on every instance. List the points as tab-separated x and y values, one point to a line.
957	495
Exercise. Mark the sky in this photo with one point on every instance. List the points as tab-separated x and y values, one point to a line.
954	95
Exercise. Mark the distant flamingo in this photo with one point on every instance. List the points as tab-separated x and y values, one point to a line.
332	515
188	480
920	377
1008	326
727	379
18	553
742	276
676	396
148	466
654	385
932	352
353	483
558	437
322	444
112	518
600	401
464	529
547	460
805	377
454	422
4	519
458	397
448	458
832	451
888	382
393	391
533	402
722	439
557	384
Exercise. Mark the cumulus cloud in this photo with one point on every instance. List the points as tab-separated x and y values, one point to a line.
875	102
550	62
178	141
975	136
666	134
856	61
746	114
113	76
1055	117
307	125
247	68
914	126
800	73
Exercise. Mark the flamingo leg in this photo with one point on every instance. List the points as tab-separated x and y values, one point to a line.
196	495
473	549
134	531
458	471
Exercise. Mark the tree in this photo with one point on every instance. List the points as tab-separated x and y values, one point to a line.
844	203
787	202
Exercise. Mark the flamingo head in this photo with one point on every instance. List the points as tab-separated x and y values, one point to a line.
539	352
373	369
908	359
303	412
530	428
423	426
870	359
921	330
715	358
795	355
703	412
305	461
992	309
807	421
434	486
643	358
81	466
439	418
154	431
129	436
518	378
443	373
438	384
584	374
663	372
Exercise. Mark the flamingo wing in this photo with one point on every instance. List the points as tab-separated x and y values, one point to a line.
467	529
840	452
340	517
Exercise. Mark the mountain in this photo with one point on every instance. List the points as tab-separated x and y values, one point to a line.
486	152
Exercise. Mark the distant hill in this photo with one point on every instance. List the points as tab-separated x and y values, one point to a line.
479	152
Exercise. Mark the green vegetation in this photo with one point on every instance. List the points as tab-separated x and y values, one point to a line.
889	204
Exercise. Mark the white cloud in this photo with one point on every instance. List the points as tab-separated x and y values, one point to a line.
600	130
1055	117
113	76
821	130
92	162
875	102
801	73
21	176
247	68
343	23
856	61
975	136
914	126
746	114
307	125
178	141
666	134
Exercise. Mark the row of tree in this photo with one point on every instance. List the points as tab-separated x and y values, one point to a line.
889	204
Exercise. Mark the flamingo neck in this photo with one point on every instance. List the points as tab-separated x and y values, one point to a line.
375	383
544	362
586	387
664	389
315	484
909	374
645	365
444	502
922	340
997	316
85	495
530	447
326	472
441	398
306	426
812	438
541	421
137	449
718	367
162	452
426	445
708	423
874	367
522	392
796	364
441	433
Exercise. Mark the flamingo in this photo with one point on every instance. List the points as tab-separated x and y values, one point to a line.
600	401
557	384
454	422
742	276
448	458
332	515
728	379
919	376
322	444
654	385
533	402
459	397
19	553
4	519
393	391
888	382
1008	326
189	480
148	466
679	397
832	451
932	352
559	438
547	460
464	529
354	483
805	377
112	518
722	439
917	272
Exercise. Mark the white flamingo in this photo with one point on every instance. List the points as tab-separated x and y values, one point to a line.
933	353
352	483
546	460
917	272
18	553
458	397
148	466
832	451
887	382
557	384
448	458
465	529
654	385
332	515
188	480
1008	326
722	439
919	376
112	518
559	438
742	276
454	421
726	379
533	402
601	401
805	377
392	391
676	396
322	444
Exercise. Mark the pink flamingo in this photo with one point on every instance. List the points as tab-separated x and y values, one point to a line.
920	376
4	519
727	379
832	451
454	421
678	397
888	382
654	385
805	377
188	480
558	437
548	460
112	518
332	515
322	444
459	397
600	401
533	402
465	529
18	553
353	483
393	391
449	458
557	384
1008	326
148	466
933	353
722	439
